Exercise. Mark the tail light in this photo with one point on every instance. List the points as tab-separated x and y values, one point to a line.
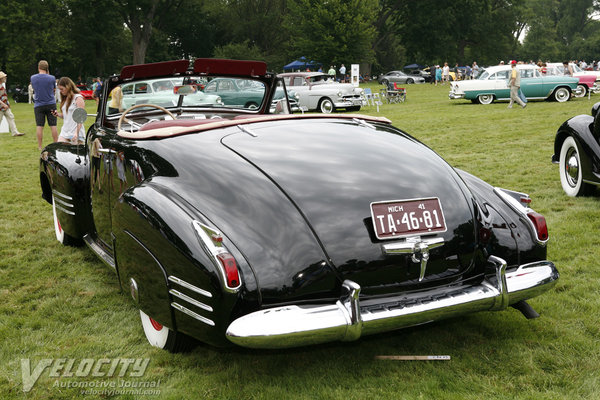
539	223
212	241
231	271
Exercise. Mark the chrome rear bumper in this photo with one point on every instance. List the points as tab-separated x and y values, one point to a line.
348	319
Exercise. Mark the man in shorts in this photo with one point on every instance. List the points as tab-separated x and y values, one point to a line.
44	102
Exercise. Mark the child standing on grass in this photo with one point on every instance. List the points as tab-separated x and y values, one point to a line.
5	107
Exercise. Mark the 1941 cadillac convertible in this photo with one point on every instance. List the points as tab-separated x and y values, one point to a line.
274	230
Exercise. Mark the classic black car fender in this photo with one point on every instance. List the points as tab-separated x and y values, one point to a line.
512	236
64	176
581	129
163	264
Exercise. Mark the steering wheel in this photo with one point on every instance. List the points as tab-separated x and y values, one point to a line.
139	106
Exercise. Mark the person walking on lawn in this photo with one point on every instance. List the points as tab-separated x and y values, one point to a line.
5	107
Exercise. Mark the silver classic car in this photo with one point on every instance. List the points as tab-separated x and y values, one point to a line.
318	91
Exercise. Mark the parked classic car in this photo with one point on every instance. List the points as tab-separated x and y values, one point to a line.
246	93
274	230
86	92
317	91
161	92
577	152
399	77
492	84
587	81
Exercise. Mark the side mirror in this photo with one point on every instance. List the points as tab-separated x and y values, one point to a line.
79	115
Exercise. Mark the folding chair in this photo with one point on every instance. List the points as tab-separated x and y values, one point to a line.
401	92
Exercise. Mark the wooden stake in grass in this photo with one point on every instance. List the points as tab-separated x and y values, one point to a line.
413	358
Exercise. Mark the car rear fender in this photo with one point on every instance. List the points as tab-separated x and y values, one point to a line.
169	273
64	177
504	232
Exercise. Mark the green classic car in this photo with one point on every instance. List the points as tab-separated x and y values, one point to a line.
492	84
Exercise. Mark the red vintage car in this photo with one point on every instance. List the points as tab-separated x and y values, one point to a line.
86	92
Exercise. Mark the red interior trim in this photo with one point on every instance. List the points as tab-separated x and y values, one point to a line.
155	69
229	67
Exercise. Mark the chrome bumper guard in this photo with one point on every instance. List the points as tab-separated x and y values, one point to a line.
349	319
454	96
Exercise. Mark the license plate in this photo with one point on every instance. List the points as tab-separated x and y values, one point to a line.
400	218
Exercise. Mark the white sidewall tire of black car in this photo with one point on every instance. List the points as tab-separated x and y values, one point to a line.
485	98
156	337
326	105
61	236
165	338
562	94
572	187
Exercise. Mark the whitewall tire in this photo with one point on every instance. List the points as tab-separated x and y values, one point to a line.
571	177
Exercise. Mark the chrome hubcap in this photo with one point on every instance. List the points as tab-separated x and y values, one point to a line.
572	167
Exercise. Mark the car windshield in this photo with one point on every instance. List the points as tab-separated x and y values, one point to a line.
484	75
320	79
189	92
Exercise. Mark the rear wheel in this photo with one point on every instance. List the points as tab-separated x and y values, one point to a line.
485	98
562	94
582	90
251	105
326	105
164	338
63	237
571	177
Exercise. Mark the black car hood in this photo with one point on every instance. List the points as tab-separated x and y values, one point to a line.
331	171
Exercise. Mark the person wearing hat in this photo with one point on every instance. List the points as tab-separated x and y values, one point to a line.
5	107
515	85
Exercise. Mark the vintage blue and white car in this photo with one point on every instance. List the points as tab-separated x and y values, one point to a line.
267	229
318	91
492	84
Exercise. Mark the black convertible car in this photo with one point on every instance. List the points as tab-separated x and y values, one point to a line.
271	230
577	151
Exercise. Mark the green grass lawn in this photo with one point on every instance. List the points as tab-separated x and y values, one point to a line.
63	302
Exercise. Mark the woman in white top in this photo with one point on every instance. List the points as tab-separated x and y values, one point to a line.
71	99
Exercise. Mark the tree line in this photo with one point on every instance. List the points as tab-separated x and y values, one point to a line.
87	38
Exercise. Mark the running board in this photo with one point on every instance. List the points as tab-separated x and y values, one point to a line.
99	250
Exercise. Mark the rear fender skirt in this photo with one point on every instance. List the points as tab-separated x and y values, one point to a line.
67	181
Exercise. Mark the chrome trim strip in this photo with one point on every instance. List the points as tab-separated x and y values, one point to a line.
64	196
96	248
348	319
190	300
192	314
64	203
247	131
186	285
64	210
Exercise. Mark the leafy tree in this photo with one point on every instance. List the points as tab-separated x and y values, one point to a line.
142	17
333	32
29	32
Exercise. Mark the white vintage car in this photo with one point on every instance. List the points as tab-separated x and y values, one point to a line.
492	84
318	91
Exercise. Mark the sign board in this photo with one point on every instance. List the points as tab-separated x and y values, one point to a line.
355	74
